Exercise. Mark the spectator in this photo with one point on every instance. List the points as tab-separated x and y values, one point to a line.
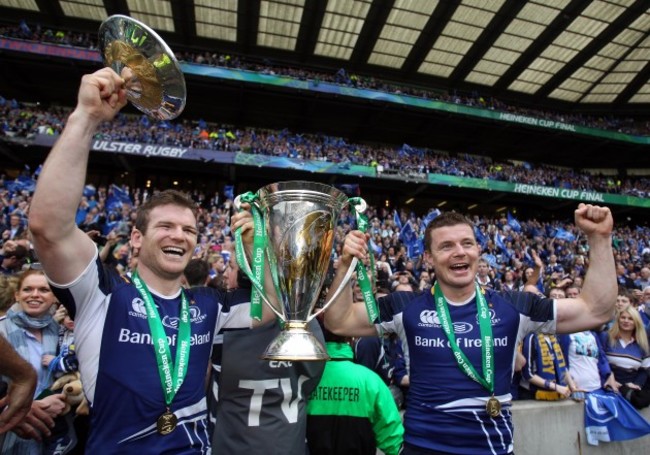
572	291
587	362
13	257
644	308
33	333
626	345
545	374
196	273
8	284
352	410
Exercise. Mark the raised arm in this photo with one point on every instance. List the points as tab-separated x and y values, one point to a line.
16	404
343	316
595	303
62	248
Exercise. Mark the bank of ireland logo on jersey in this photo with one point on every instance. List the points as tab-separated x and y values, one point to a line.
138	309
429	318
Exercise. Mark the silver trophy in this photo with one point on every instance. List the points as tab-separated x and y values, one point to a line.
154	81
300	221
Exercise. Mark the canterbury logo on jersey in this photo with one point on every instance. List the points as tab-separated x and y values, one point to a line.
139	310
429	318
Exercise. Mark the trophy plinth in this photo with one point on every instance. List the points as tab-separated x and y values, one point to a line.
295	343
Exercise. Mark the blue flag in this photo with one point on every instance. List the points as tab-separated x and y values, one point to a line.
117	197
396	219
229	191
480	237
609	417
513	223
407	235
491	259
563	234
498	241
89	190
121	194
377	249
432	215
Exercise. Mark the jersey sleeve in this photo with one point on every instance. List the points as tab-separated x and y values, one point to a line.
538	312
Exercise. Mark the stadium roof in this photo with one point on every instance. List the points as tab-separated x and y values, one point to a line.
573	54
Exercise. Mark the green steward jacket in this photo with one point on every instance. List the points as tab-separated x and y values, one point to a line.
352	411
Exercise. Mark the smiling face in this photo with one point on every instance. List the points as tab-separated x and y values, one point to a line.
34	294
169	241
625	322
454	256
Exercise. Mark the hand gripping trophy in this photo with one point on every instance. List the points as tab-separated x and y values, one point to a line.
294	230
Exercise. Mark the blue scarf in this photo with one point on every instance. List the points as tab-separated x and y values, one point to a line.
550	365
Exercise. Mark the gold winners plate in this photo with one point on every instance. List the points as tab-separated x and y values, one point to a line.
154	80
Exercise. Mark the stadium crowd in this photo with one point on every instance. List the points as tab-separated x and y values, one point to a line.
18	120
37	33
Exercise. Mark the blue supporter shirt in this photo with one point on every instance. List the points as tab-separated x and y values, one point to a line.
445	409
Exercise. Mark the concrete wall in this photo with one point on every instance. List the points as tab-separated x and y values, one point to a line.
557	427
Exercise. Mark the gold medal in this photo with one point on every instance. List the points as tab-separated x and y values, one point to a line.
166	423
493	407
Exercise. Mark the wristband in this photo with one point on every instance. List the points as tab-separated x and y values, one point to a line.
547	384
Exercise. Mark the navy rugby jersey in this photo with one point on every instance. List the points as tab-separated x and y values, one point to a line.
118	364
445	409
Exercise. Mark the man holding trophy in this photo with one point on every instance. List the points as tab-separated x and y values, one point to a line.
459	340
143	344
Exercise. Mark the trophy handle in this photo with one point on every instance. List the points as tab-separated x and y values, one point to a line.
359	207
346	279
254	282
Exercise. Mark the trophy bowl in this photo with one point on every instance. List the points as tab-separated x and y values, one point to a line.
154	81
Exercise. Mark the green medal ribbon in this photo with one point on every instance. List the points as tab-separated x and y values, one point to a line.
362	275
171	375
259	244
487	342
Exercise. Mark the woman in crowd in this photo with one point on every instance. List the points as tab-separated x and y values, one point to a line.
626	345
31	330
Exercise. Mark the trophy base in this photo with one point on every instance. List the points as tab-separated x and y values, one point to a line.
295	343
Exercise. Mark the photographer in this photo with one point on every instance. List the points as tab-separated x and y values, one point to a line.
403	279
